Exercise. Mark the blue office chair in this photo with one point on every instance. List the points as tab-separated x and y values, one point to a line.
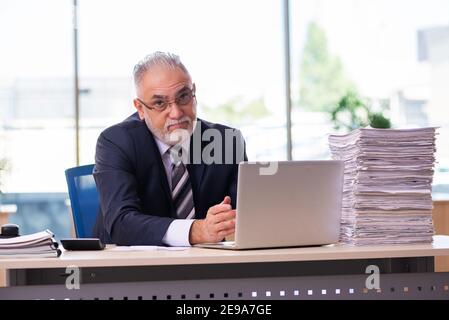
83	199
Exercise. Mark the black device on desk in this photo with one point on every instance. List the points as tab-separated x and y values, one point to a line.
82	244
9	230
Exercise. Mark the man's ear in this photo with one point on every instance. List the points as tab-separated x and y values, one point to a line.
139	108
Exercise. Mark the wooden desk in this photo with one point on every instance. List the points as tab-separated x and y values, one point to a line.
441	221
5	211
290	273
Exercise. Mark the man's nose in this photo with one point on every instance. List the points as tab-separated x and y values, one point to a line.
175	111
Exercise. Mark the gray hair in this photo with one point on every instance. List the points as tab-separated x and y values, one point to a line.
158	58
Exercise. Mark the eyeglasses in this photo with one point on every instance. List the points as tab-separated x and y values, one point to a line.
184	98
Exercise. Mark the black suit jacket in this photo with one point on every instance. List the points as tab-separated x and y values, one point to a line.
135	199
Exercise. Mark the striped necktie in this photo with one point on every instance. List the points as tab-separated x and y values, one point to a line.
182	195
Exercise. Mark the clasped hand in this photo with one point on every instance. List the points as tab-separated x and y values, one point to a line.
218	224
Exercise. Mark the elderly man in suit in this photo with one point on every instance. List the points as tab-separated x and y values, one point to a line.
164	176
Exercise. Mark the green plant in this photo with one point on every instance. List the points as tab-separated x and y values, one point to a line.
378	120
352	112
323	79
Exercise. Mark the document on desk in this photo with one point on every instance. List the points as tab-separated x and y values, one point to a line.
145	248
387	188
36	245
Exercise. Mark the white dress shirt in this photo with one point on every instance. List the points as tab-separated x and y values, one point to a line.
177	234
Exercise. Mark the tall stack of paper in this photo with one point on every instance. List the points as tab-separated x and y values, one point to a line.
387	185
36	245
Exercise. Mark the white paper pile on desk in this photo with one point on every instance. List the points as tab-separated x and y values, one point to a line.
36	245
387	185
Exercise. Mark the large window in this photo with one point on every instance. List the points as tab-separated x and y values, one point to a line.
392	55
36	108
233	50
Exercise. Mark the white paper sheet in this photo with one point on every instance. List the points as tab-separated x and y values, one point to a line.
145	248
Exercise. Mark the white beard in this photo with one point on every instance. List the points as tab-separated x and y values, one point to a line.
177	136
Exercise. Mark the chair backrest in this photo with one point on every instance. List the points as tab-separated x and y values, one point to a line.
83	199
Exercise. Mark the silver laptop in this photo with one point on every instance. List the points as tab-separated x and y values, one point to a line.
298	205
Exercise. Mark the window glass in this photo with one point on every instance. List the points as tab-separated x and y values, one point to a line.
36	112
393	55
